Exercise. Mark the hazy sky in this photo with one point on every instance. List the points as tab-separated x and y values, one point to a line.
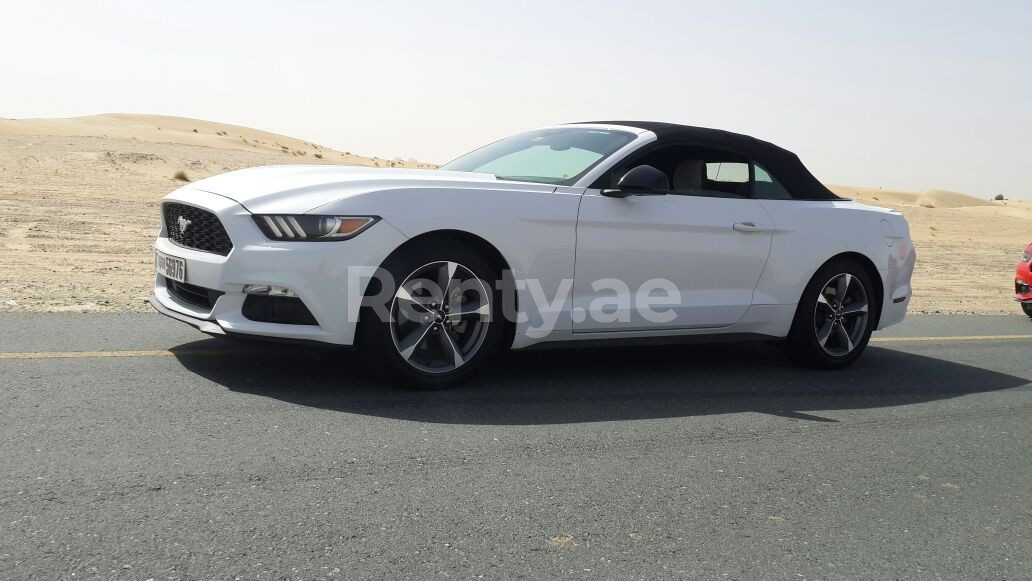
896	94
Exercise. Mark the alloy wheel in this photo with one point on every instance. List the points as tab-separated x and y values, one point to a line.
439	317
841	313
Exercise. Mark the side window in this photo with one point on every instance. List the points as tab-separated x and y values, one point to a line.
704	171
727	172
766	187
710	172
696	171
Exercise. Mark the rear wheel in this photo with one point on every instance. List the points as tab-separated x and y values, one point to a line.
835	316
1027	307
444	316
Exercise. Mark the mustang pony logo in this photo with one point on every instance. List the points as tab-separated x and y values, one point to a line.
183	224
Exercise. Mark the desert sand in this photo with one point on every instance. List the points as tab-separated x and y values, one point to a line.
79	200
79	211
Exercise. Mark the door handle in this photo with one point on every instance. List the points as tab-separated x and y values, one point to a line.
749	227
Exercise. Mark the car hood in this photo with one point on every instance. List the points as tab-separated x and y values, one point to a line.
296	189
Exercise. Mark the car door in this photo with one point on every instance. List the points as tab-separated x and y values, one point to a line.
689	259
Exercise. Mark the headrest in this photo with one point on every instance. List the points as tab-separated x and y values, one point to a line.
688	175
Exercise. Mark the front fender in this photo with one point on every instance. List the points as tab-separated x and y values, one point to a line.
533	227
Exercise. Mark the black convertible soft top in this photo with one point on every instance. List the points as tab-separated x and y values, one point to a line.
783	164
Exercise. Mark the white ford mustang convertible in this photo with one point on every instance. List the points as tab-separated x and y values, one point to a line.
602	232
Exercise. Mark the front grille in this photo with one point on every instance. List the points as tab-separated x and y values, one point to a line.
195	295
196	228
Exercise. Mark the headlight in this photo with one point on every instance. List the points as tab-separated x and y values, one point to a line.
305	227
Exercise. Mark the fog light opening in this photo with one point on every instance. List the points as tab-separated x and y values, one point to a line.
268	290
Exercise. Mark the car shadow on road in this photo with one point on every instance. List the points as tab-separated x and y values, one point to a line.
595	385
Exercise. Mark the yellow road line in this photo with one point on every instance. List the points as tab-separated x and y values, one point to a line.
97	354
952	338
195	352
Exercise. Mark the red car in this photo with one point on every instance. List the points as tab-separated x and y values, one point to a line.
1023	279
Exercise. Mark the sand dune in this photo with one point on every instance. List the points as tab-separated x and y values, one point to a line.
185	131
79	210
159	129
927	198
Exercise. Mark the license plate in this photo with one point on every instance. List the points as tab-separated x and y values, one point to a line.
170	266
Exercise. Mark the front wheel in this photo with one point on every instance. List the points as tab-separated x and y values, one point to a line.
1027	307
444	316
835	316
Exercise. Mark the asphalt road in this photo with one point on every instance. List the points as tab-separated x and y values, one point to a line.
132	462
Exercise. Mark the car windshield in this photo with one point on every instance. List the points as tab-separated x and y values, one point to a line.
550	156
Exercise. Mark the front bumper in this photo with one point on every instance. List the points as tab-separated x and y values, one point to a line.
329	277
1023	282
201	325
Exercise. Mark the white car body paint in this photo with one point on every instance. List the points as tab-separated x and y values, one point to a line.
688	240
732	281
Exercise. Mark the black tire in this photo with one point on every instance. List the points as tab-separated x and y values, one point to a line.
1027	307
379	342
849	335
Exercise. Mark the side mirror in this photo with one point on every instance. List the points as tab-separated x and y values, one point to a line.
643	180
